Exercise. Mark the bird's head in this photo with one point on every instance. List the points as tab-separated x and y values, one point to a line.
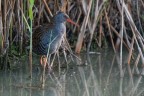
62	17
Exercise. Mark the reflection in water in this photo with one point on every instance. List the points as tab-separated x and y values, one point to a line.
93	75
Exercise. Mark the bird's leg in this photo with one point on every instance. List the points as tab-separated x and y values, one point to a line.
43	61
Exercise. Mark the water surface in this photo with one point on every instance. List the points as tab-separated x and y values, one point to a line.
93	75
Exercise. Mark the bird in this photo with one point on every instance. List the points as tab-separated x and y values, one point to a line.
47	38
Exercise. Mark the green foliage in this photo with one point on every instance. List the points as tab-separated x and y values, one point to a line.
14	55
30	9
14	50
31	18
30	14
32	2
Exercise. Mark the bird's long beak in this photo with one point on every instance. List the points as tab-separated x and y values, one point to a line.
72	22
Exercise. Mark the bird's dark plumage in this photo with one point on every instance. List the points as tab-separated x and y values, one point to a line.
48	38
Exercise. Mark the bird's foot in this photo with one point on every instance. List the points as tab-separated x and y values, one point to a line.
45	64
43	61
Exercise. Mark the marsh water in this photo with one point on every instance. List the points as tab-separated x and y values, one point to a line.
90	75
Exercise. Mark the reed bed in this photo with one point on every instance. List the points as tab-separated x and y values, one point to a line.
103	23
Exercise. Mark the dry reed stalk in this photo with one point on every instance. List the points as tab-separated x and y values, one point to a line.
119	41
5	28
18	17
142	3
111	37
131	50
97	9
85	6
127	38
48	9
4	20
118	36
121	33
136	34
138	17
78	19
12	3
4	25
47	17
136	65
40	12
1	30
139	49
9	25
83	27
100	33
21	27
56	5
130	72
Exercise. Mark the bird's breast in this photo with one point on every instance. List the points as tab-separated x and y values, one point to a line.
60	29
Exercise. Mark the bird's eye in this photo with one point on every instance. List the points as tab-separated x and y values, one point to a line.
65	16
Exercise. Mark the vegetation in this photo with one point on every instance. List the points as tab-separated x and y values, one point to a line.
102	22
